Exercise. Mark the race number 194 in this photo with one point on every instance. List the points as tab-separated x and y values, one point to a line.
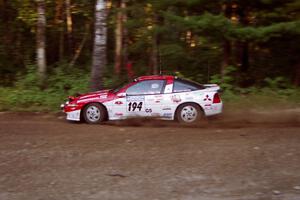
133	106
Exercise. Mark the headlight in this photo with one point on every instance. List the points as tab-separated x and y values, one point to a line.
72	105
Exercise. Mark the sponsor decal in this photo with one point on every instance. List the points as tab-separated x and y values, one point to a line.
154	86
118	102
150	100
158	98
86	100
103	96
176	98
87	96
169	88
148	110
135	98
215	108
207	107
119	114
166	109
207	98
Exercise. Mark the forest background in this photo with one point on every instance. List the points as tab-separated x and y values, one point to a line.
54	48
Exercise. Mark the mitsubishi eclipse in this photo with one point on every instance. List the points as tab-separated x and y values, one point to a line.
160	96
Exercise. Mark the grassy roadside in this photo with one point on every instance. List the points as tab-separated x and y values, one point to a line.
31	100
264	99
35	100
63	82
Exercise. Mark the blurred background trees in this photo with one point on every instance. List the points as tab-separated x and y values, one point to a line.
197	39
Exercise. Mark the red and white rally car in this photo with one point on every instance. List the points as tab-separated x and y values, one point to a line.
161	96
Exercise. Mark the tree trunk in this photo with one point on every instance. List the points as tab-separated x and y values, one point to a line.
69	27
119	40
154	52
126	62
99	51
41	42
59	22
58	12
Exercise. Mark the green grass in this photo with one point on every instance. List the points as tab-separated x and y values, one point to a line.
26	96
29	100
263	99
49	100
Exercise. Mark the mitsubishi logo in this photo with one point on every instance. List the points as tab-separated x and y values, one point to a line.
207	98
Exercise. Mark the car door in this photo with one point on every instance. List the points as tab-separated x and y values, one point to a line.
142	99
180	91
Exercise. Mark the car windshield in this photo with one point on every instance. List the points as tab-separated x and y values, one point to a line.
119	87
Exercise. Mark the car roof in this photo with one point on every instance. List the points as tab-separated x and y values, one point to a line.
155	77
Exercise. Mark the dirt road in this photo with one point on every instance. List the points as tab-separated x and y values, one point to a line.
42	157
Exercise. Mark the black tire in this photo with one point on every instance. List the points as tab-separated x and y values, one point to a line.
94	113
189	113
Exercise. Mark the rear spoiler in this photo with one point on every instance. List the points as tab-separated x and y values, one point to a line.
213	87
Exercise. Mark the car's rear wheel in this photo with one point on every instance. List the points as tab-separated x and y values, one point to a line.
189	113
94	113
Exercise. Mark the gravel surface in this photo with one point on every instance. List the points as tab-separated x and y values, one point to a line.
231	158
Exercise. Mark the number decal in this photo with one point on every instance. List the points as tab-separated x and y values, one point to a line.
140	106
135	106
135	103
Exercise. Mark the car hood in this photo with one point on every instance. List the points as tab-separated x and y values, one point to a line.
102	94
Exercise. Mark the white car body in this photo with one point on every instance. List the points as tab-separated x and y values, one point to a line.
125	102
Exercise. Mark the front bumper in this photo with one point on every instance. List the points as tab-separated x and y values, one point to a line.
73	115
73	112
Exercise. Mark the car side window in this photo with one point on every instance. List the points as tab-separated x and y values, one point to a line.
146	87
185	86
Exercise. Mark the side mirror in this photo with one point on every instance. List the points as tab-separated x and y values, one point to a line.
121	95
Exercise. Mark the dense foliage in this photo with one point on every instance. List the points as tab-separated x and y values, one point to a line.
243	45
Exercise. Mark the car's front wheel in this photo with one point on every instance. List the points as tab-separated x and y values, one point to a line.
189	113
94	113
